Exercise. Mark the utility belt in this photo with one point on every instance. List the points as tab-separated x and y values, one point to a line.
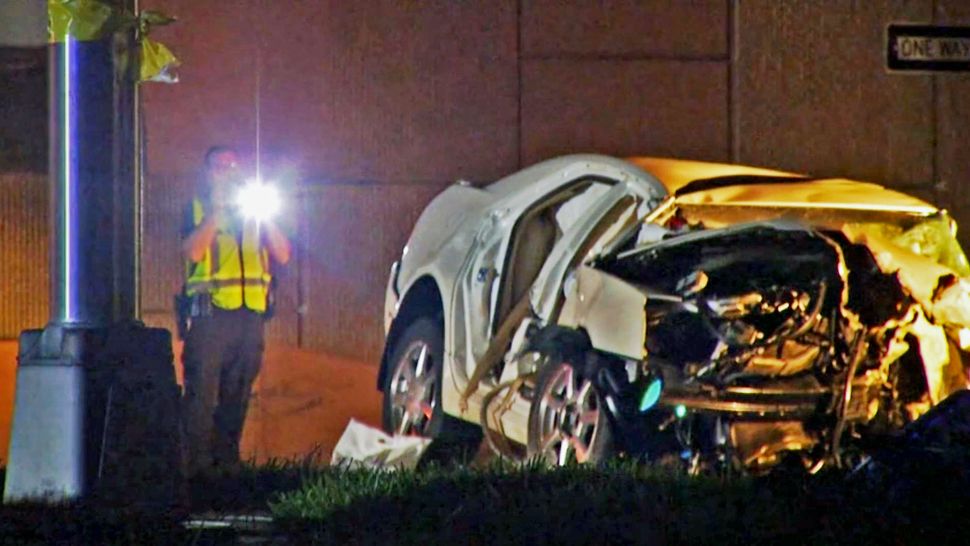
190	306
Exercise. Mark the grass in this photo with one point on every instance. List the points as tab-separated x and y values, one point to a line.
620	504
921	499
627	504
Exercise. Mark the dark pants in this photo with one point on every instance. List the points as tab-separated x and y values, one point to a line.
222	355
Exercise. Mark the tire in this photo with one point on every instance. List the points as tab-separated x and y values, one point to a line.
412	385
568	421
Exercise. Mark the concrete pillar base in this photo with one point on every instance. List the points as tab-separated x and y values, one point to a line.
96	416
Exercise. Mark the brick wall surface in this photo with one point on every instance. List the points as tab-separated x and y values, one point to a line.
23	239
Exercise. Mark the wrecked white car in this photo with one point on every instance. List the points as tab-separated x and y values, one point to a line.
717	316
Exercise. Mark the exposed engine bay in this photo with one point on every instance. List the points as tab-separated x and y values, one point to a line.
761	343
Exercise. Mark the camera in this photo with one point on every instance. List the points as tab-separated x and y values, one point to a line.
257	200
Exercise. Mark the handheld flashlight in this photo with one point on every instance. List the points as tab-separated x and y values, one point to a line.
258	201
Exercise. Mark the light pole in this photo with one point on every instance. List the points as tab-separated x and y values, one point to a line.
96	401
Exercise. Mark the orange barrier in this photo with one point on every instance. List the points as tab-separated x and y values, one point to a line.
8	381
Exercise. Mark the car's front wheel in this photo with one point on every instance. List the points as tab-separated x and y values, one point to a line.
567	420
412	386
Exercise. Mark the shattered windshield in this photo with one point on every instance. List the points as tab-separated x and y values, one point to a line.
933	238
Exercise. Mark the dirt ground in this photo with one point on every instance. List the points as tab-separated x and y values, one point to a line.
301	402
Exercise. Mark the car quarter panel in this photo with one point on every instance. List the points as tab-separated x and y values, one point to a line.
443	230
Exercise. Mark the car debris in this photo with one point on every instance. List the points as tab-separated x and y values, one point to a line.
363	446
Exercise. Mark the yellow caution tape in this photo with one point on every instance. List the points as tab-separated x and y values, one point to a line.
151	18
88	20
158	64
82	20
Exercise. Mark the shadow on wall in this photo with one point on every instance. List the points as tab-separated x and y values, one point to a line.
23	79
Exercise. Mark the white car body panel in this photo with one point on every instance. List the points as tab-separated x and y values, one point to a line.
546	292
462	220
608	309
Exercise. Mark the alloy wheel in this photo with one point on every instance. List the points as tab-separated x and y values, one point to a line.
569	417
413	390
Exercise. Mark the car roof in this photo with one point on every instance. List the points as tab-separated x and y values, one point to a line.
706	183
575	163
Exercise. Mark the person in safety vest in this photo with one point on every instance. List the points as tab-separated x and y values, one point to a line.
227	286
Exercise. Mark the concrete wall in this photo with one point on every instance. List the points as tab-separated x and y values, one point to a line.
23	23
23	110
375	106
625	78
951	109
811	93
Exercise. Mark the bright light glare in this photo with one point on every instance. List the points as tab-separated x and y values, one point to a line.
258	201
964	338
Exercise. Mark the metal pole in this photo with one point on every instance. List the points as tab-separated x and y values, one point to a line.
139	189
66	369
95	181
127	179
82	85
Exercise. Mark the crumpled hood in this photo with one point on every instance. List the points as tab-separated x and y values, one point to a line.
834	193
940	289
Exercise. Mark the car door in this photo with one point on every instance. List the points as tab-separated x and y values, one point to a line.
480	283
478	287
611	217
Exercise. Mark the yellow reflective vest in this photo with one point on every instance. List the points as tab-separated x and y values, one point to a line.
233	278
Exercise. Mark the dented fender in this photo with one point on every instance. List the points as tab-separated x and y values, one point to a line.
609	309
944	300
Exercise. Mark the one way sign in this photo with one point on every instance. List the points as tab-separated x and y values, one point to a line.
928	48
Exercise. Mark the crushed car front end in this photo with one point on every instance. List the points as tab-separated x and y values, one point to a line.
800	335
